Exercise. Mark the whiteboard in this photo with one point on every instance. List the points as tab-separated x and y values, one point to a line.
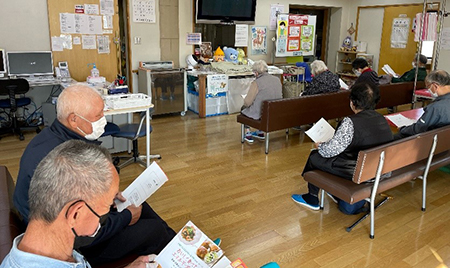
296	35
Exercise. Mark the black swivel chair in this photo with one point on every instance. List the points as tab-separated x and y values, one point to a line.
133	132
11	88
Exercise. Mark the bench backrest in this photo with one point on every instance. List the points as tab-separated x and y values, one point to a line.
400	153
304	110
309	109
10	225
397	94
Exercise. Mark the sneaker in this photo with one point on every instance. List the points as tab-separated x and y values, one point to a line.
332	197
248	138
259	135
218	241
299	200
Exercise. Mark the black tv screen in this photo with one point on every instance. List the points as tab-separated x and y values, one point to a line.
228	11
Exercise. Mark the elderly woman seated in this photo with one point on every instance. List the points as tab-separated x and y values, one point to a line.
324	81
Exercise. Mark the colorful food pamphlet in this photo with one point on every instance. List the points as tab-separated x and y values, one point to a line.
190	248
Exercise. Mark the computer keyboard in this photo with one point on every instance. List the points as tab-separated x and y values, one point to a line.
41	79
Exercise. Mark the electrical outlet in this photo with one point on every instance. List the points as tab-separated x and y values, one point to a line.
137	40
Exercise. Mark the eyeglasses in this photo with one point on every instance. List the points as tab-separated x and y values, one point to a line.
102	218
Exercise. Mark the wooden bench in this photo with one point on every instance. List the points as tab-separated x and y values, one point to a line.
286	113
406	159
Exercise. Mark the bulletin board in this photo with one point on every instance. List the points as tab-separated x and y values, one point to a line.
82	26
295	35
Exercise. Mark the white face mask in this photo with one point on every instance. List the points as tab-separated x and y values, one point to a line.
98	128
413	64
358	73
433	94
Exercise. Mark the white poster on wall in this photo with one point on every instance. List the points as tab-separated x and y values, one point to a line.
259	40
144	11
275	9
241	35
107	7
88	42
445	39
400	32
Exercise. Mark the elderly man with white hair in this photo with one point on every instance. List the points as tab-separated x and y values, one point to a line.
70	195
265	87
324	81
137	230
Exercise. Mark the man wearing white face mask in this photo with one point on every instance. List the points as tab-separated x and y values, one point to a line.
436	114
364	73
134	230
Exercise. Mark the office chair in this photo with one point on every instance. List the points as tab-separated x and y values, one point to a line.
11	88
132	132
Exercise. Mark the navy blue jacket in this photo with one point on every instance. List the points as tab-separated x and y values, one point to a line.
36	150
436	115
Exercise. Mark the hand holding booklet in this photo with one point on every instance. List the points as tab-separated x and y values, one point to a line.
322	131
387	69
143	187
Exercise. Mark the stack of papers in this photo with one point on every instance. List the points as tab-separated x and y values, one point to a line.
343	84
400	120
322	131
387	69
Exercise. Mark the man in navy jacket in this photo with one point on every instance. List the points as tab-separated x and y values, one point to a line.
136	230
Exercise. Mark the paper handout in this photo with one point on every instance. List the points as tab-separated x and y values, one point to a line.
143	187
190	248
322	131
342	84
400	120
387	69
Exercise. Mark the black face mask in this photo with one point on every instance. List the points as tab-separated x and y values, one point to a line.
86	240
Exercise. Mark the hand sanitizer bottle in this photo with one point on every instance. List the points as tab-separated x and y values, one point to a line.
94	71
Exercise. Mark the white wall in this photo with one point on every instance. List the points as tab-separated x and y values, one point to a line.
24	25
369	30
149	49
444	55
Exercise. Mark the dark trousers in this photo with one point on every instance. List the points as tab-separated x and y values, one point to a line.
149	235
330	165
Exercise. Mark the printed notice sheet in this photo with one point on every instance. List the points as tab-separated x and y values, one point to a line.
400	120
387	69
322	131
143	187
190	248
241	35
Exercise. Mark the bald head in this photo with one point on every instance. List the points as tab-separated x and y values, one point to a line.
79	99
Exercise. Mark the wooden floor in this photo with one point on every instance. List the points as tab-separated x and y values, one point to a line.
236	192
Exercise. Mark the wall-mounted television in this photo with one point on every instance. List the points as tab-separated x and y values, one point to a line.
30	63
226	11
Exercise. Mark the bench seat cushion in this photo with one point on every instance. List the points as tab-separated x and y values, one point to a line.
250	122
351	192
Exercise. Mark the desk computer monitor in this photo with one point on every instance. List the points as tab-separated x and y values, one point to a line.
2	63
30	63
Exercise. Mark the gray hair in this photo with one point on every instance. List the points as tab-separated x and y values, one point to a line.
76	98
72	171
439	77
318	67
260	67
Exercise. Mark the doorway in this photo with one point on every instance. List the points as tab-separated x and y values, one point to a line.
125	53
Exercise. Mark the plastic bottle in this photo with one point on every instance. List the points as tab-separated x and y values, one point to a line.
94	71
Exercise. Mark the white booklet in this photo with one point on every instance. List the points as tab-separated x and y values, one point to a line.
400	120
322	131
387	69
143	187
343	84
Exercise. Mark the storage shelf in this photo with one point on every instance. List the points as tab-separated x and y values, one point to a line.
347	74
